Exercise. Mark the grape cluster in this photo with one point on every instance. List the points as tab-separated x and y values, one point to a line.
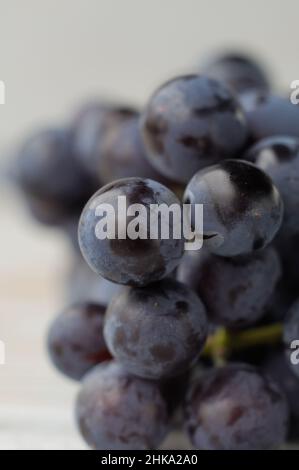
153	328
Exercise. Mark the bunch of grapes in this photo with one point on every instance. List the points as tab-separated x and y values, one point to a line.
158	336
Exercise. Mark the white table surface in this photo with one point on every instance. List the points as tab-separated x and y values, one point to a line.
36	403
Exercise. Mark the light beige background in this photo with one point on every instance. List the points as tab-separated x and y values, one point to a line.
53	54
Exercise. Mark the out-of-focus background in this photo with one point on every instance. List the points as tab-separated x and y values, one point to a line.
53	55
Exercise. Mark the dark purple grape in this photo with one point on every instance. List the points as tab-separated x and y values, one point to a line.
279	157
236	408
123	154
238	71
49	176
75	339
242	209
269	115
50	213
130	261
280	301
235	291
277	367
84	285
116	411
90	127
291	337
157	331
287	246
286	291
174	390
191	122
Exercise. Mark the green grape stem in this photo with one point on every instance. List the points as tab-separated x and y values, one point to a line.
223	342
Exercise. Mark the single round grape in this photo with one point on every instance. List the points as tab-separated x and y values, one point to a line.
157	331
235	291
242	208
90	127
116	411
269	115
123	154
236	408
191	122
130	261
75	339
279	157
291	337
84	285
49	176
238	71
